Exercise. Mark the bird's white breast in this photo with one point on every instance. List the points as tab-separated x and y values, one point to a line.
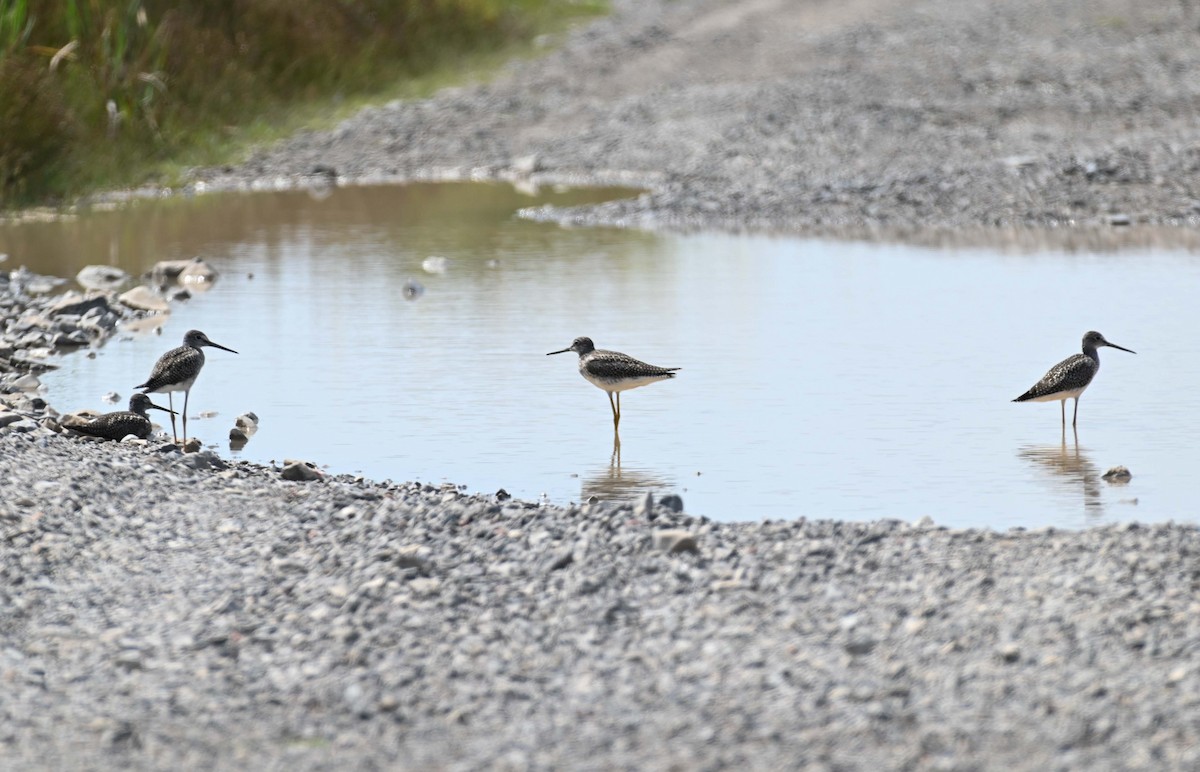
1058	396
171	387
622	384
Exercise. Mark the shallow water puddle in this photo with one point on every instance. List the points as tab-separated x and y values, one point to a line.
820	379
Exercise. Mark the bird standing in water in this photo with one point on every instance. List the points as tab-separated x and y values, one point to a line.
177	370
122	423
1069	378
614	372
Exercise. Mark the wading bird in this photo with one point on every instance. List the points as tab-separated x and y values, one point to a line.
177	370
1068	378
614	372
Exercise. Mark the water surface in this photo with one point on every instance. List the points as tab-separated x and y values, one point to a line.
820	378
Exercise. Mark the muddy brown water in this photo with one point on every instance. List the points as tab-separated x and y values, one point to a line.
838	379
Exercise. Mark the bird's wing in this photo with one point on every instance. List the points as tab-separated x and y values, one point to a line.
176	365
1074	372
613	364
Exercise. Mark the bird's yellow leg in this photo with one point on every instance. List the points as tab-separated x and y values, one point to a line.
171	404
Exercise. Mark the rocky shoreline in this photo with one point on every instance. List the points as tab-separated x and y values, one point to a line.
162	610
36	324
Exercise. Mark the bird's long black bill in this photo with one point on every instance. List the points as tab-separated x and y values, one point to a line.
153	406
223	348
552	353
1114	345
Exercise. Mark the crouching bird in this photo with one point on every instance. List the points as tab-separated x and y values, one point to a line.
122	423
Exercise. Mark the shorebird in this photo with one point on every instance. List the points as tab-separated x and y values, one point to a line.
614	372
177	370
116	426
1068	378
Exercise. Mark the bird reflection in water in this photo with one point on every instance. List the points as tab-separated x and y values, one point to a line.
1072	464
617	483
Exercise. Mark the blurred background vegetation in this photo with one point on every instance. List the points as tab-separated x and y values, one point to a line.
106	93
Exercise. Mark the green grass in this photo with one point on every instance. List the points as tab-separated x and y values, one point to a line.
99	94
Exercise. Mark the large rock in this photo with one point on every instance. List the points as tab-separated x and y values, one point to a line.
78	304
300	471
27	382
144	299
7	418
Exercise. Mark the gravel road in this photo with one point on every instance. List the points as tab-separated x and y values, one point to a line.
855	116
161	610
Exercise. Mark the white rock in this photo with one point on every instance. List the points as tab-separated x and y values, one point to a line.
434	264
27	382
527	164
675	540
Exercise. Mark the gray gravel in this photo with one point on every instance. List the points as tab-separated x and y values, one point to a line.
153	615
161	610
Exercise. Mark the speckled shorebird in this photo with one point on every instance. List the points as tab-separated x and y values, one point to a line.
1070	377
177	370
118	425
614	372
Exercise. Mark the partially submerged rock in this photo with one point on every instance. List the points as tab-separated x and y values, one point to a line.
412	290
194	272
99	277
1118	474
244	427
